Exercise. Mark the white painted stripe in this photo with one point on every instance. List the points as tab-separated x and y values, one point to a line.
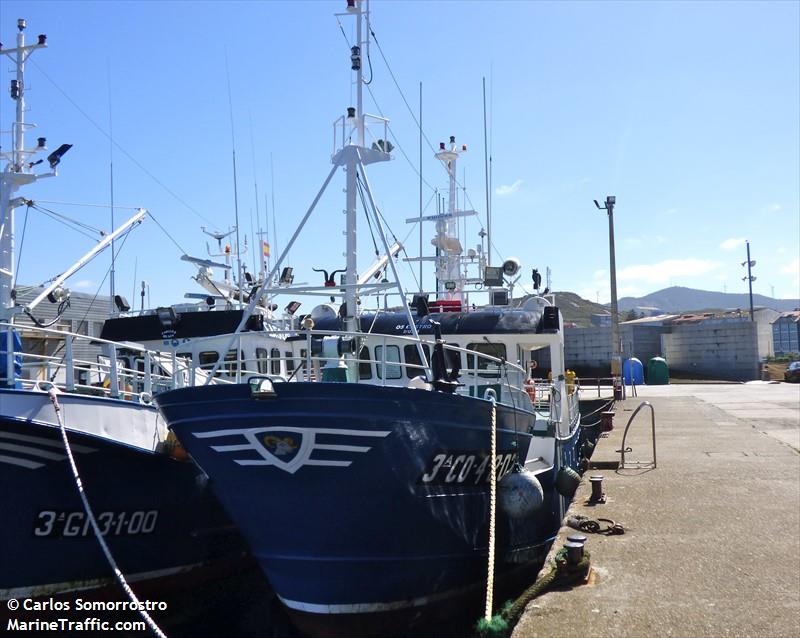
11	460
33	451
329	463
367	608
342	448
79	585
42	441
233	448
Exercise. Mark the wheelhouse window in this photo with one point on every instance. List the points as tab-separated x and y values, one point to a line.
414	366
289	362
392	359
275	361
232	362
209	358
261	360
492	369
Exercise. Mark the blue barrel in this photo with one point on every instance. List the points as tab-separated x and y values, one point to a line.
16	349
633	371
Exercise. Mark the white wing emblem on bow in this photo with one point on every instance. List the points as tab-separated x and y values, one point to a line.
295	445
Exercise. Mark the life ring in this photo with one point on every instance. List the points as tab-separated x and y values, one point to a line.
533	364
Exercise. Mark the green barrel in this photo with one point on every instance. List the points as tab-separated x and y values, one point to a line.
657	371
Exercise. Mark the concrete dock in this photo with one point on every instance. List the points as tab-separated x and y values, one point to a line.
712	540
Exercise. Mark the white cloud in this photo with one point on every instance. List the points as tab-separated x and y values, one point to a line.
636	242
629	291
666	270
792	269
599	294
83	284
776	208
732	244
506	189
600	274
602	293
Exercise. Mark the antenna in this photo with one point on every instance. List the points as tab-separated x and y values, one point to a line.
235	188
114	309
488	185
421	288
135	268
274	216
253	235
258	215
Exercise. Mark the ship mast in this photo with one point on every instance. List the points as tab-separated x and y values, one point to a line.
450	280
18	169
354	121
350	151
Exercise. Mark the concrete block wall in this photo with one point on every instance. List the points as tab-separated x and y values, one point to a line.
766	343
721	350
645	341
587	347
591	347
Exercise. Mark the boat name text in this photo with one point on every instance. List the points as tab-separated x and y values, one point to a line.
465	468
52	524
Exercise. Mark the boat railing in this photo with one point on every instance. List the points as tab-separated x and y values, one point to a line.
108	376
345	128
301	359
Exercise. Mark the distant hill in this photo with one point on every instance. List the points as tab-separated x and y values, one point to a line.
680	299
575	309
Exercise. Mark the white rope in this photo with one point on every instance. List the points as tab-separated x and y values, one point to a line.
120	578
492	508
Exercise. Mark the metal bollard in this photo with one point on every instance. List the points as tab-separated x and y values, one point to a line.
597	489
577	538
574	552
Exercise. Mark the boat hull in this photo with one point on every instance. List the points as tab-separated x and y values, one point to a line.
161	522
363	502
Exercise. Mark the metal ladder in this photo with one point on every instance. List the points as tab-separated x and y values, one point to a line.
637	464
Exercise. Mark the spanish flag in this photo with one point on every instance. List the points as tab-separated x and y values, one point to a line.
265	248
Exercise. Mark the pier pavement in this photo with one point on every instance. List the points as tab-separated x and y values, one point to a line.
712	540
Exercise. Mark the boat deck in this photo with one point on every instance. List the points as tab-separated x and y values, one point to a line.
712	541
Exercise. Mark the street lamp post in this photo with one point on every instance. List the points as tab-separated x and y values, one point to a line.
616	352
749	278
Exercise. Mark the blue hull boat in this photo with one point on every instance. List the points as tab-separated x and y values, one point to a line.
362	502
157	514
360	470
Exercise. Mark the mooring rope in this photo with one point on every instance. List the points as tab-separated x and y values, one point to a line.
562	573
90	514
492	513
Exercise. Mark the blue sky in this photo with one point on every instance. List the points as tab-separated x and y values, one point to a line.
687	112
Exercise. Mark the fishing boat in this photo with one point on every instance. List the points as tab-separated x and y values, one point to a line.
151	505
363	481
